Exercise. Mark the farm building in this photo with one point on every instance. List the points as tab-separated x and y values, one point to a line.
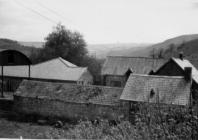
117	69
70	101
157	89
12	58
181	67
56	70
59	69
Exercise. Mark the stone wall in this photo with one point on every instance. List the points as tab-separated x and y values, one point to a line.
69	110
70	101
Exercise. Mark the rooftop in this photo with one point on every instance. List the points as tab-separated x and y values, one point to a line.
55	69
185	63
118	65
153	89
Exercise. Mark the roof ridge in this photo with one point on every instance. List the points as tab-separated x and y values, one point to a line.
45	61
61	59
136	57
158	76
74	66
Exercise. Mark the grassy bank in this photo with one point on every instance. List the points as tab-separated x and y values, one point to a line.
150	122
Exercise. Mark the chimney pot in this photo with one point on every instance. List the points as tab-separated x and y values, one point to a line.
181	55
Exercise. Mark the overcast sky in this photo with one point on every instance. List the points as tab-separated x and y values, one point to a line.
100	21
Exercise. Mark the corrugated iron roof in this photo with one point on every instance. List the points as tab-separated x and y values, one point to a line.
162	89
118	65
70	92
55	69
185	63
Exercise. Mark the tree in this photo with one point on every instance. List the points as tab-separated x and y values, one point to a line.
66	44
69	45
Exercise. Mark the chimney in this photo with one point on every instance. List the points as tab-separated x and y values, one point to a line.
188	73
181	55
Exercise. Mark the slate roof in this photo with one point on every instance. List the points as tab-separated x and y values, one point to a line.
167	90
55	69
118	65
68	92
185	63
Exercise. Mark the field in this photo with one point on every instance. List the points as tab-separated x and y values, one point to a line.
149	123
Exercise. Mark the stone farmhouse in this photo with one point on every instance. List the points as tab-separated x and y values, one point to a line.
117	69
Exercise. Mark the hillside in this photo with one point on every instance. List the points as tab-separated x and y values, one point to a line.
32	44
144	50
102	50
14	45
189	49
121	49
173	42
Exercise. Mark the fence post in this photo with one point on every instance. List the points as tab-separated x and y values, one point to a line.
29	71
2	81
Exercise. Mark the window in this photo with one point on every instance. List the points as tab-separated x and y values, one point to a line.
10	58
152	93
116	83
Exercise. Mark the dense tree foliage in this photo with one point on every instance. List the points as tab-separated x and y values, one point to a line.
64	43
69	45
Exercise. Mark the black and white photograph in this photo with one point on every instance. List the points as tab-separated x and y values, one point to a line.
99	69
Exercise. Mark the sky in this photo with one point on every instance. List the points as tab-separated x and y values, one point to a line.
100	21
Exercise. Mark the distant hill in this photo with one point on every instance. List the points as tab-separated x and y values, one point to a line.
189	49
101	50
174	42
14	45
143	50
32	44
122	49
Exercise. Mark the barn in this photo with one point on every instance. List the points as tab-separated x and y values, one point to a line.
117	69
54	70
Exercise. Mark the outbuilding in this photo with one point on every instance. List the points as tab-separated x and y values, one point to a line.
117	69
181	67
54	70
12	58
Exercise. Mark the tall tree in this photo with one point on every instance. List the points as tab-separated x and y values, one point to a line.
66	44
69	45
